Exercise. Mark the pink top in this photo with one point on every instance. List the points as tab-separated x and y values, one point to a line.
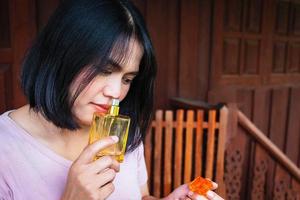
30	170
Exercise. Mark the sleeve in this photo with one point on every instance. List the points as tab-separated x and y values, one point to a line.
5	191
142	169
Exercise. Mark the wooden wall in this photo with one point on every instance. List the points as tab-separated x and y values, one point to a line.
256	63
17	28
180	30
275	112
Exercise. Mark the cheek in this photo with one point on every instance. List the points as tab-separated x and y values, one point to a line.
125	90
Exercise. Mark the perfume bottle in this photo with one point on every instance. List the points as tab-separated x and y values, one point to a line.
109	124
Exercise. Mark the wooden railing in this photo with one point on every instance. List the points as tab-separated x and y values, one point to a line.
182	145
255	168
223	145
270	147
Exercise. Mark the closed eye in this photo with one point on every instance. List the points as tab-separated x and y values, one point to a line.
106	72
127	80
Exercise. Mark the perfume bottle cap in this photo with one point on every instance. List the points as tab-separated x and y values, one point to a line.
115	102
114	109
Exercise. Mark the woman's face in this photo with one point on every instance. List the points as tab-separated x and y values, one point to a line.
112	83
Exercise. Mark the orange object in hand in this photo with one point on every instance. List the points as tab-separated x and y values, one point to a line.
200	186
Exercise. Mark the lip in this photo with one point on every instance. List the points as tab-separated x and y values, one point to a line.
103	108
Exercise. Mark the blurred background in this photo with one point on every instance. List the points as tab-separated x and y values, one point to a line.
241	52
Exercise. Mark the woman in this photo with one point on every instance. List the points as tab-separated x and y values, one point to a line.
89	53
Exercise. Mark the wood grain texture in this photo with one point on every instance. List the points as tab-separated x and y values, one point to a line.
178	163
187	158
168	146
210	151
158	152
199	148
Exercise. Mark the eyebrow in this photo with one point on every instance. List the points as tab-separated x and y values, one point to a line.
117	67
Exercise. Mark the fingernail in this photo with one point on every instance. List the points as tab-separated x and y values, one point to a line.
190	193
200	197
115	138
215	185
210	194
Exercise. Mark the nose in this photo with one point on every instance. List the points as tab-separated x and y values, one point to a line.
112	89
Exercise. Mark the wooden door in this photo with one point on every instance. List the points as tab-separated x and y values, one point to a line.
256	63
17	29
5	56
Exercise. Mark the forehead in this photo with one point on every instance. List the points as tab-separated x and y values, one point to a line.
127	55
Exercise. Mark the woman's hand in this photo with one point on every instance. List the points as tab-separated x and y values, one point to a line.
209	195
183	193
88	179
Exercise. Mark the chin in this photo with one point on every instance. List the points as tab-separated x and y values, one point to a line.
85	122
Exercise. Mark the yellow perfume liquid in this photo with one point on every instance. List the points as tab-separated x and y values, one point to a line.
109	124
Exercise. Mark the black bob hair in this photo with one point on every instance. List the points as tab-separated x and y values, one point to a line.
83	35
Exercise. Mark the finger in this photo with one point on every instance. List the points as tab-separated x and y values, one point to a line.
88	154
104	163
106	190
213	196
104	177
196	196
200	197
215	185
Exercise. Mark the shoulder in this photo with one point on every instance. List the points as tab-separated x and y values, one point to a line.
8	134
6	126
137	154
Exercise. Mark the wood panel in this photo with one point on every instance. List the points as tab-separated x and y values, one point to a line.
293	136
23	25
255	49
6	56
164	30
141	5
168	154
255	63
237	43
199	143
278	120
194	48
286	43
188	149
282	189
157	174
245	99
5	87
261	112
5	40
293	126
178	163
180	31
276	113
44	9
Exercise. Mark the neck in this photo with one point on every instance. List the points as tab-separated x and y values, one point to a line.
65	142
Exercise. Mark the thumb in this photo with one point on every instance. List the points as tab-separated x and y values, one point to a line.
88	154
